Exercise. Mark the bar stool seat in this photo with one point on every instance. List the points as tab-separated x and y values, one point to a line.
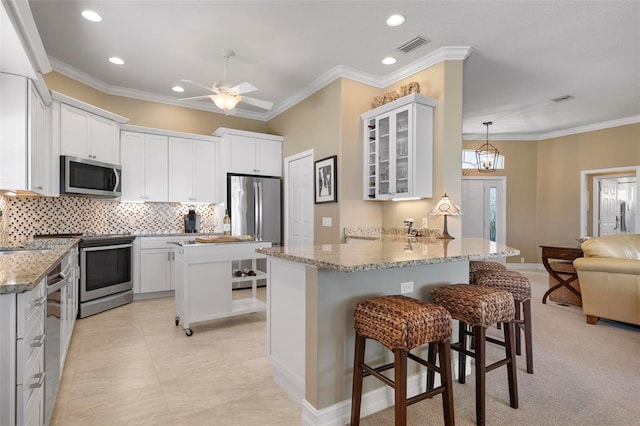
479	307
520	288
402	323
483	265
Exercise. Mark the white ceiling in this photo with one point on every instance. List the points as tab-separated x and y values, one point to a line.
524	53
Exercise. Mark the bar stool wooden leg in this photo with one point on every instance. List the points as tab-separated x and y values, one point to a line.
400	387
528	341
431	357
462	357
509	329
356	394
444	354
481	373
518	319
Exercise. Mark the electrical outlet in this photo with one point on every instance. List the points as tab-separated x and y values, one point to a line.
326	221
522	260
425	223
406	287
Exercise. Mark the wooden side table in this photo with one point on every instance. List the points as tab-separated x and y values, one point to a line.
562	252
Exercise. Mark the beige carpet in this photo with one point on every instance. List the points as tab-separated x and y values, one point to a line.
132	366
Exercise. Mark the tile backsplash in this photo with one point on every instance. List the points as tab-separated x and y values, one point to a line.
23	217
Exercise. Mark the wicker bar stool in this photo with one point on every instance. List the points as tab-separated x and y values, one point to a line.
483	265
479	307
520	288
402	323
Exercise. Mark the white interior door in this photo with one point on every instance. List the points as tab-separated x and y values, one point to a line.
484	207
299	200
608	207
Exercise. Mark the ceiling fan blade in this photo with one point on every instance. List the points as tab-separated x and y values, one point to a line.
243	88
201	85
196	97
257	102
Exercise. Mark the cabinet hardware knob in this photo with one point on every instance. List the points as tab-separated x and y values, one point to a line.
38	341
40	302
40	382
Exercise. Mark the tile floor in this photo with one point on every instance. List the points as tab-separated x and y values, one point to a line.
132	366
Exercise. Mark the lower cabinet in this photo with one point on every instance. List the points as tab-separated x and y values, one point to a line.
153	260
22	373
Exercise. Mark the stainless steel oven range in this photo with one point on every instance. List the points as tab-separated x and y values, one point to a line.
106	278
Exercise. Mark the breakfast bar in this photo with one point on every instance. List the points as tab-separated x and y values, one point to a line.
310	300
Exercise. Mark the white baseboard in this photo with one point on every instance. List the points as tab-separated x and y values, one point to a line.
339	414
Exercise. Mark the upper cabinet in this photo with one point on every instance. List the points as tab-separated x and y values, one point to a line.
192	170
145	166
86	131
398	149
25	154
251	153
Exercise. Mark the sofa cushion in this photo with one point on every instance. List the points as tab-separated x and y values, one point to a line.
622	246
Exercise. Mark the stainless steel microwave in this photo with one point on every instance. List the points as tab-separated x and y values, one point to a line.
89	177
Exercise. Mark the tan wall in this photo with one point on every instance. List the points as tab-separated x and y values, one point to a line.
314	124
151	114
560	161
520	171
442	82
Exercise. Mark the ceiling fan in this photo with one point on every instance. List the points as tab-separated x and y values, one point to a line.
226	95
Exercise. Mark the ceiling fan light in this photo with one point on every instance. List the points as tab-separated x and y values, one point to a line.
225	101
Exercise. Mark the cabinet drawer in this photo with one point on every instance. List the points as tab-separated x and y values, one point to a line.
27	348
162	242
30	307
30	392
34	409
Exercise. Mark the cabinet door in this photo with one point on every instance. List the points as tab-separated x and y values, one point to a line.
74	132
242	154
156	168
38	144
104	140
402	185
155	270
384	148
269	157
133	166
180	170
204	180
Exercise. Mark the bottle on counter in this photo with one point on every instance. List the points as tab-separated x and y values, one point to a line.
226	223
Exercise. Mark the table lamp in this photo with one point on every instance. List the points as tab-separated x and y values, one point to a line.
445	207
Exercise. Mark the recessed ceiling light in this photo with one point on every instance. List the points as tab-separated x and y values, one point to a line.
177	89
92	16
116	60
389	60
395	20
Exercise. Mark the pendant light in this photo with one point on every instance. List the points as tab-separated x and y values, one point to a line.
487	154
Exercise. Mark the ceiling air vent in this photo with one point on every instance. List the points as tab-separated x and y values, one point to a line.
562	98
413	44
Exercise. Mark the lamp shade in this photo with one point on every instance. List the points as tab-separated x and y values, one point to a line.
445	207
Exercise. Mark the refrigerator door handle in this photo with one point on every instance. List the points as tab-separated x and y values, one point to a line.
260	209
256	207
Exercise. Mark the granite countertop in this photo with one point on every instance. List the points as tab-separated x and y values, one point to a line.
391	252
23	270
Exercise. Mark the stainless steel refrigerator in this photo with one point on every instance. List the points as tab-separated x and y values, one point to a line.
254	204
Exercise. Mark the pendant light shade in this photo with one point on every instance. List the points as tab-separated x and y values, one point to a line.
487	154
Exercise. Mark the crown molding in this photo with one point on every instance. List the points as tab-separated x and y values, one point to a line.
74	73
591	127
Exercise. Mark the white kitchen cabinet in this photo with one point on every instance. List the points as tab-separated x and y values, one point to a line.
68	302
398	149
25	154
22	321
145	167
86	135
192	171
153	262
251	153
203	281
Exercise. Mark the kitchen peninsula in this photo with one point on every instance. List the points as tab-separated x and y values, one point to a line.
312	293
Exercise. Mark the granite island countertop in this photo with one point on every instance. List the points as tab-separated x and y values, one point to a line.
391	252
22	271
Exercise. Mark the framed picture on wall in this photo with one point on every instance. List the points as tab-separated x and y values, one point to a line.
325	183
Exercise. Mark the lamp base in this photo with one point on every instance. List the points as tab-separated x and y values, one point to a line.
445	233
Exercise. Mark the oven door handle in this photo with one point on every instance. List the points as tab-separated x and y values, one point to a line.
98	248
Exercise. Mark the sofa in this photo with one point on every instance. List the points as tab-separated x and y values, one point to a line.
609	276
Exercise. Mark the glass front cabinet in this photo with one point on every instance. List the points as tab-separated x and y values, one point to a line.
398	149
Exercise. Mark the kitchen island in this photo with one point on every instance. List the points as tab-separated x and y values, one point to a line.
203	280
310	300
